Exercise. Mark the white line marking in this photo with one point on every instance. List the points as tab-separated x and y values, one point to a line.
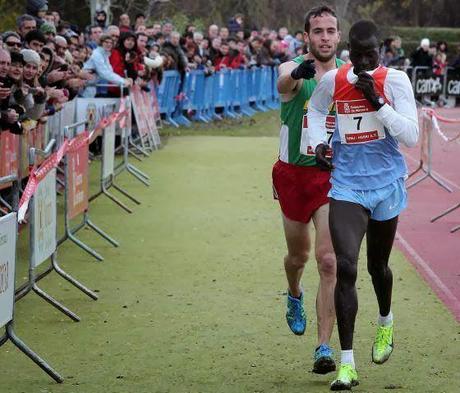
431	274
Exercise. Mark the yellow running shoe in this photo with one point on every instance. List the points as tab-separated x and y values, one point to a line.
383	344
346	379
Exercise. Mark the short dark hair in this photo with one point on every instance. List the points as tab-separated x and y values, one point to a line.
318	11
35	35
23	18
363	30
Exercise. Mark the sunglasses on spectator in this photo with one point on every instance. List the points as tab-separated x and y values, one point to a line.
11	44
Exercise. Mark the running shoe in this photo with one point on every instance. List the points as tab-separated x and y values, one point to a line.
383	344
346	379
324	360
295	315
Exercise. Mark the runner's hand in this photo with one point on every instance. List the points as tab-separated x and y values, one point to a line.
322	162
366	84
305	70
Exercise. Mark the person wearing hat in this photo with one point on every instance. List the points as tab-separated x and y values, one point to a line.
49	31
37	8
36	97
11	41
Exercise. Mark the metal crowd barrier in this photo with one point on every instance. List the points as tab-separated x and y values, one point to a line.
227	93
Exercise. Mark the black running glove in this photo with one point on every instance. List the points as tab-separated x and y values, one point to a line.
366	84
322	162
305	70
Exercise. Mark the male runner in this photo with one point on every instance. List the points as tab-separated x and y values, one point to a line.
375	111
301	187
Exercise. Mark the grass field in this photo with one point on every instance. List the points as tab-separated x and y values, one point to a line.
194	299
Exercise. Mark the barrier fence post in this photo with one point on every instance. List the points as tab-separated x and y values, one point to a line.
43	243
76	195
8	233
426	155
107	176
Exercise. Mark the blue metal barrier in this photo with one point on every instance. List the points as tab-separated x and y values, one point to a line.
235	92
167	93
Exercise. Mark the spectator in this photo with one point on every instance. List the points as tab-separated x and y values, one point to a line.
99	64
139	20
296	42
35	40
141	42
167	29
173	49
49	18
8	115
156	28
224	33
439	63
213	32
37	9
282	52
95	33
49	31
265	56
456	62
35	99
282	33
345	56
12	41
24	24
214	51
124	23
236	24
114	32
100	19
421	56
125	57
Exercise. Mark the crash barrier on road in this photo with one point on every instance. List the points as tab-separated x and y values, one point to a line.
54	155
226	93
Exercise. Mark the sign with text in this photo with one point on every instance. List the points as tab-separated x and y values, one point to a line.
77	169
428	84
453	83
44	219
7	265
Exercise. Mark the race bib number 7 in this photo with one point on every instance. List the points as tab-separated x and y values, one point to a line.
358	123
305	147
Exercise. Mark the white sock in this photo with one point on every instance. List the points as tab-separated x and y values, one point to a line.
347	357
385	321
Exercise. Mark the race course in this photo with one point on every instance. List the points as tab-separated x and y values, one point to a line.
194	299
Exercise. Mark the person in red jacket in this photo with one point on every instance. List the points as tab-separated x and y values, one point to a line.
125	59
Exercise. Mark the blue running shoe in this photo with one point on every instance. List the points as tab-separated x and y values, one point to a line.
324	360
295	315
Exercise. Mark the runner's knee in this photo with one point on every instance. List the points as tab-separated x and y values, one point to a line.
347	271
326	263
377	269
297	260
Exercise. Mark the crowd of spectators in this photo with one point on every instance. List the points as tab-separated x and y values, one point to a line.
47	61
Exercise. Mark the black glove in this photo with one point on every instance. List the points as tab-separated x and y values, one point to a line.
365	83
305	70
322	162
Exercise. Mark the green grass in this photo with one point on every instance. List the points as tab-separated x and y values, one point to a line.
194	299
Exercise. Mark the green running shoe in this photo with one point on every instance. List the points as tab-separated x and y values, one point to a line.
346	379
383	344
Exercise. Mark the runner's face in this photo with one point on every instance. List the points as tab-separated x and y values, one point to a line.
364	55
323	37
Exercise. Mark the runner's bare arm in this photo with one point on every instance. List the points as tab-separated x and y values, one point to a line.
288	87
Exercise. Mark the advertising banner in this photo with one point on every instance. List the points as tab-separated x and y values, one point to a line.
44	219
7	265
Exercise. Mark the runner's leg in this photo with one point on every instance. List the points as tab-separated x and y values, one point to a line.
380	237
348	223
326	263
298	245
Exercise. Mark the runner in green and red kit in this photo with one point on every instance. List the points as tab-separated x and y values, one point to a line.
301	187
